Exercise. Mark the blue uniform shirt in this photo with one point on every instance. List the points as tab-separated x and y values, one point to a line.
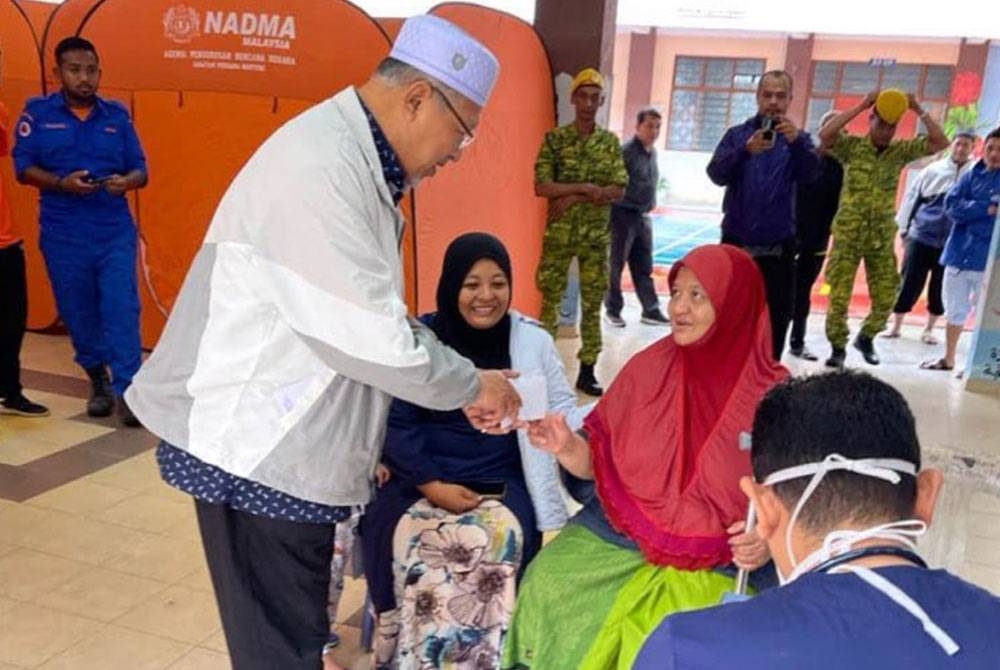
50	136
834	621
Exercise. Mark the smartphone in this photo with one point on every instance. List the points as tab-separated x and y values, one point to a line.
767	125
97	180
488	489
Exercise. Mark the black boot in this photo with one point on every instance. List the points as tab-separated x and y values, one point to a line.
864	344
836	360
587	382
125	412
101	400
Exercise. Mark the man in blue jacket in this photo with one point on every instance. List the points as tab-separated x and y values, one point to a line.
82	153
971	204
759	162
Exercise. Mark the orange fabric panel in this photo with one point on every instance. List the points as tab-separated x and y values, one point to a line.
38	13
303	49
63	22
22	80
492	188
408	250
18	46
285	59
391	26
195	144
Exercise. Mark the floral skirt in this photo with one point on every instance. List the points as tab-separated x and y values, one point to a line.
455	579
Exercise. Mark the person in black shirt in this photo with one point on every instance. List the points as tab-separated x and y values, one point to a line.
631	228
816	204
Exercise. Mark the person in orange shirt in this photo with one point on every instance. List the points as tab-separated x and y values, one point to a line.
13	302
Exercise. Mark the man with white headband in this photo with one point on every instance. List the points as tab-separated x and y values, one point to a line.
839	499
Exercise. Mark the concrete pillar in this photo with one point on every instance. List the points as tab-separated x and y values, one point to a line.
577	34
798	63
639	87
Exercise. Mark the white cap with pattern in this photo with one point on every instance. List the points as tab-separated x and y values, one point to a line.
446	52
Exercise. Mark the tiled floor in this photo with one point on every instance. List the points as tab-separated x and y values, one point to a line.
101	566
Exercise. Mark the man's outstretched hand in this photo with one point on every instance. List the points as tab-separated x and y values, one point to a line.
496	407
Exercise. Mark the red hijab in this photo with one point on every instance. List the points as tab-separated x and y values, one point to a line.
666	438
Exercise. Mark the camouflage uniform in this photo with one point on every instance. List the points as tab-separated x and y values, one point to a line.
865	229
583	231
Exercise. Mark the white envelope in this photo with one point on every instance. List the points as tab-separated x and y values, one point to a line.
534	396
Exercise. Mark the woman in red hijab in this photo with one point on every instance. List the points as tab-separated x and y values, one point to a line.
665	447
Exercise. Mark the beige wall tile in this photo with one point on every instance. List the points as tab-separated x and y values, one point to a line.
31	635
178	613
25	574
100	594
113	648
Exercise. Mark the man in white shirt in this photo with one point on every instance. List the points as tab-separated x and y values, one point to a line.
271	384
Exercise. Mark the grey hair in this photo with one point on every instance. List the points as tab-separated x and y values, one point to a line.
395	72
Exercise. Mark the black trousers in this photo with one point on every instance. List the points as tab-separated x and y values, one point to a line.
778	271
13	317
272	581
919	260
632	243
807	268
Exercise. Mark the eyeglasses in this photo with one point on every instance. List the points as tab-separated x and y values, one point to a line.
469	136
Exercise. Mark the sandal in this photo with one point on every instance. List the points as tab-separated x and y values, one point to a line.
927	337
939	364
891	335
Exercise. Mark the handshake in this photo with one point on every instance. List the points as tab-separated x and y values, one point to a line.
507	401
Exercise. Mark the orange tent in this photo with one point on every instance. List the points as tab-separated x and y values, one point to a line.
207	83
492	188
21	72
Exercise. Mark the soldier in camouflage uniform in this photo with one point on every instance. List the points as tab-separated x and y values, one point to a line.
580	171
865	227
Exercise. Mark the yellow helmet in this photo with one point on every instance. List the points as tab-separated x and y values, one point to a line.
891	104
588	76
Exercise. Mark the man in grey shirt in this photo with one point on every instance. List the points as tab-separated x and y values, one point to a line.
631	227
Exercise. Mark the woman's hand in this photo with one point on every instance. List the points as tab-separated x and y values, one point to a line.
551	434
749	550
453	498
382	475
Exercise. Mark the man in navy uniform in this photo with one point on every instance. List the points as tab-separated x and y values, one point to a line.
83	155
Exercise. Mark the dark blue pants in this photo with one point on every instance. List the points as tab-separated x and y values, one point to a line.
97	293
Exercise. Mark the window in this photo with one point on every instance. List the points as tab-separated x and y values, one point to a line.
709	95
930	83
